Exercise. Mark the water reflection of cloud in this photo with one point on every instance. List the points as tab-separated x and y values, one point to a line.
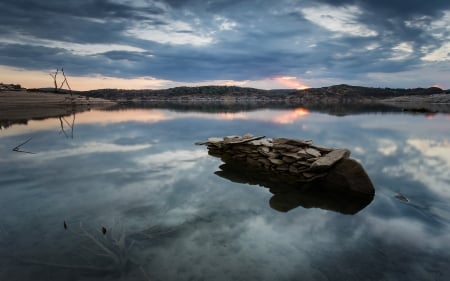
393	231
405	123
226	245
180	159
287	116
386	146
316	245
428	162
432	165
432	148
129	115
226	231
89	148
98	117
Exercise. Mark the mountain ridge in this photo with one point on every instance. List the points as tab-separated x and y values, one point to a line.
341	92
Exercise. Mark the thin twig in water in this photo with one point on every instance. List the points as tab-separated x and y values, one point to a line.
17	148
145	273
109	252
90	267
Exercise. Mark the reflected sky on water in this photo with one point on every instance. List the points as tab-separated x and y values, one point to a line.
168	216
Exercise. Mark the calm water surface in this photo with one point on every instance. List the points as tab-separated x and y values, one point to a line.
137	175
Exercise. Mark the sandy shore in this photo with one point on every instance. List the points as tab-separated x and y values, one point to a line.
23	105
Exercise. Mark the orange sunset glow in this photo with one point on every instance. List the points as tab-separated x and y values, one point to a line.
290	117
38	79
290	82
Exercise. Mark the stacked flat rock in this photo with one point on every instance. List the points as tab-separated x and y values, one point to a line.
281	156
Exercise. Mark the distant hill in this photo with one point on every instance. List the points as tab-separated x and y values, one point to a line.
337	99
324	95
336	93
347	90
347	93
203	92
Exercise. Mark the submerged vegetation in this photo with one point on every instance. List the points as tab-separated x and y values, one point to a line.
113	251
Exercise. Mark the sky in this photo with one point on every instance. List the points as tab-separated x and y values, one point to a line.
264	44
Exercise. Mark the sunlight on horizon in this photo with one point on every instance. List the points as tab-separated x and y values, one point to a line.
42	79
291	82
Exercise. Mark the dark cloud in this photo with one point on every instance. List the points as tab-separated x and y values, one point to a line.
123	55
197	40
74	21
34	57
396	8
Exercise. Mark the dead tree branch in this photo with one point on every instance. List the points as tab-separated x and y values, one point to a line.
54	76
65	82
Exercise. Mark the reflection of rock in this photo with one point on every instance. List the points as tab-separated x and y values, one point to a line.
297	172
331	192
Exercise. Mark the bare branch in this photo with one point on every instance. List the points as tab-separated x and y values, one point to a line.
54	79
65	80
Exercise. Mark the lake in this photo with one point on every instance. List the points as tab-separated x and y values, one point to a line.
126	195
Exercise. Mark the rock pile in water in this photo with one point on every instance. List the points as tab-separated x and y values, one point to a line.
290	157
291	161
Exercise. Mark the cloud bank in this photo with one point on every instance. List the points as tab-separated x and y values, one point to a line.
375	43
